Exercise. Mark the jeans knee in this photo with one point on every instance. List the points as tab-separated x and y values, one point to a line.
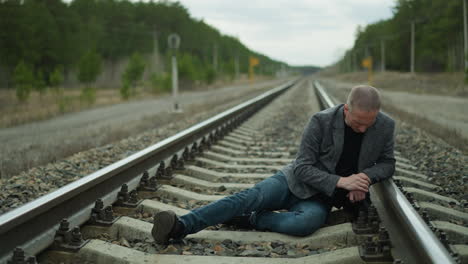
248	199
306	225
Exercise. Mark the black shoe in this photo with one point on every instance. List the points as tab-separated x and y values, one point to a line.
166	225
240	221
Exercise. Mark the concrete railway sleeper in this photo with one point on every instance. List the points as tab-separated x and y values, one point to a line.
213	168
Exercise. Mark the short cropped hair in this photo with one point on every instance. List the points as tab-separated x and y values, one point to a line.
364	98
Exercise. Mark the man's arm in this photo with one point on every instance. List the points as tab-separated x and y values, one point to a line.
385	164
356	182
305	168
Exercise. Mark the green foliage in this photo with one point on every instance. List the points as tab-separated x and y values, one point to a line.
466	76
125	91
88	95
29	33
56	77
438	35
132	75
73	34
210	75
187	68
192	69
40	83
161	82
55	80
230	69
64	103
89	67
24	81
134	70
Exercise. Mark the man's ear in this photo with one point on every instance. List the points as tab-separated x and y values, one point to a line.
346	108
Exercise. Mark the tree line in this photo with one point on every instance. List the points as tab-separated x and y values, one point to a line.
42	41
438	38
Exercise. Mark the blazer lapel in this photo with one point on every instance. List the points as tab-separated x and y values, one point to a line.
338	137
366	147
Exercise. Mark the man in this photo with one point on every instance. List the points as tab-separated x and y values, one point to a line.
344	149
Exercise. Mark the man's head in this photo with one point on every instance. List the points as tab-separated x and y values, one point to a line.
362	107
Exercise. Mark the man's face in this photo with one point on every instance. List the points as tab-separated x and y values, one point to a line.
359	120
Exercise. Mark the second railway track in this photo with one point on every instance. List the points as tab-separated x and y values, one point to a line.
202	164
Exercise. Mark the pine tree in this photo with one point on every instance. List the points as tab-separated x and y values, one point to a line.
132	75
89	67
23	80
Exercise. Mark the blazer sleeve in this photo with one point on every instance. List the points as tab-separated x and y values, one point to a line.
305	167
384	167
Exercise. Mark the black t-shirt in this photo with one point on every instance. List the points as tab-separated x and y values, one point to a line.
348	163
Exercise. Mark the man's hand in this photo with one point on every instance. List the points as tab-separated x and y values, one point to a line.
356	196
355	182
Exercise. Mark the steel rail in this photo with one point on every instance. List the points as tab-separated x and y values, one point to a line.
413	240
33	225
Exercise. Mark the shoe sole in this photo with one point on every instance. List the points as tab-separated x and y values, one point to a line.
163	224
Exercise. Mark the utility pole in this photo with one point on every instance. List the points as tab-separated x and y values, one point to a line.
465	38
236	65
354	62
367	63
382	55
155	56
412	46
215	58
349	61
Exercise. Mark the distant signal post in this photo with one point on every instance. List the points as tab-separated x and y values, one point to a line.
252	63
367	63
174	43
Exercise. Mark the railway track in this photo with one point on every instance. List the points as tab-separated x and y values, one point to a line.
109	213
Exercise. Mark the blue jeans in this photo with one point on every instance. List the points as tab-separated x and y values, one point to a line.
303	217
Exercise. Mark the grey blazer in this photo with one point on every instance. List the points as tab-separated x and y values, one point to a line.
313	170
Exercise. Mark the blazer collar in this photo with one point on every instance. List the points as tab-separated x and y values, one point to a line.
368	141
339	120
338	134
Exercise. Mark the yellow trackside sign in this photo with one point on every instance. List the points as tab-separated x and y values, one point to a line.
367	62
253	61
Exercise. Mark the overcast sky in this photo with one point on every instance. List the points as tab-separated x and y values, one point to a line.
298	32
